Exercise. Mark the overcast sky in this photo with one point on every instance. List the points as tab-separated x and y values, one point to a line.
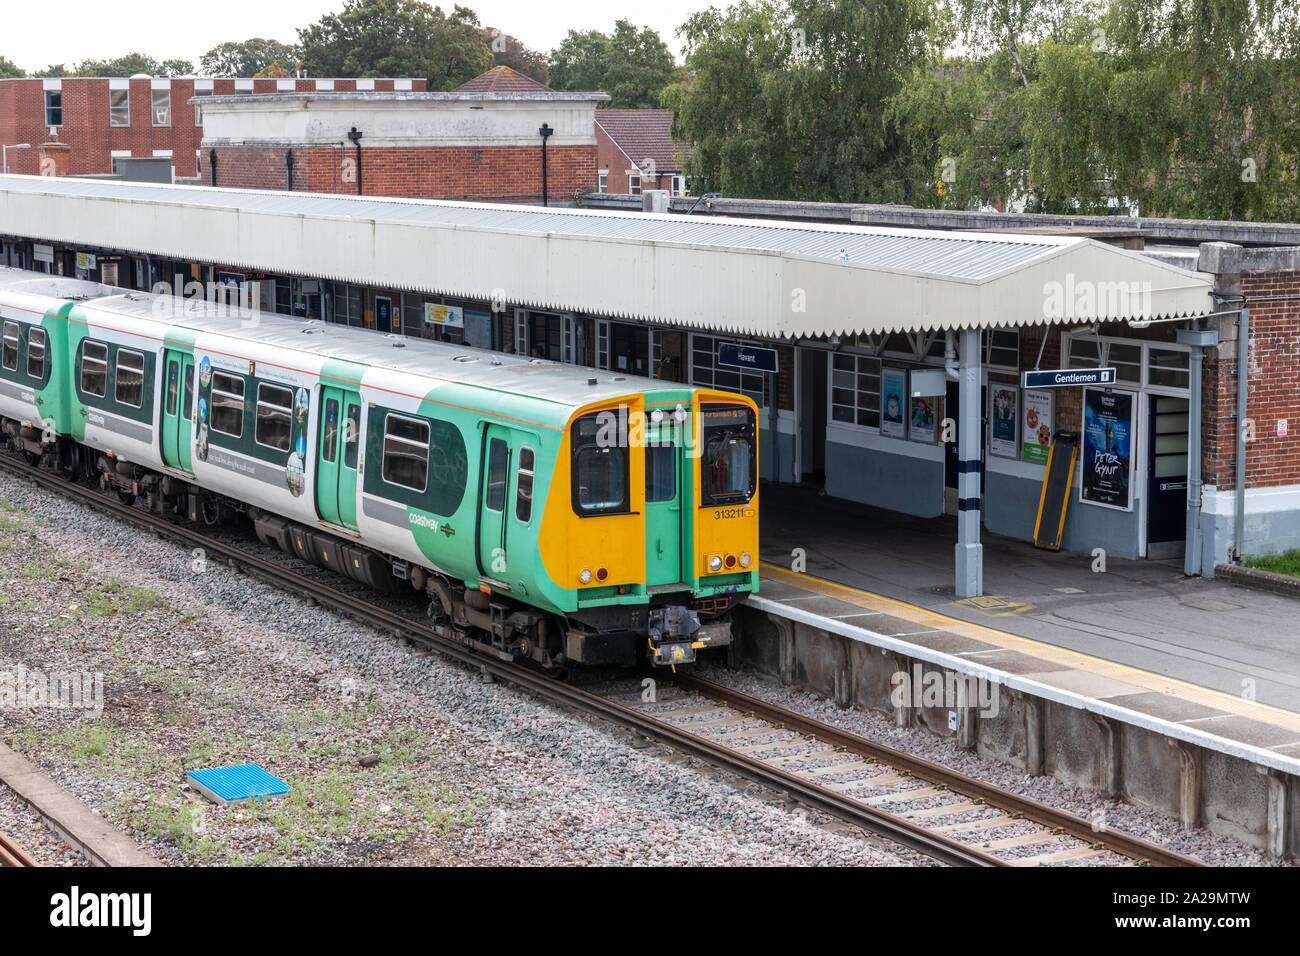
78	30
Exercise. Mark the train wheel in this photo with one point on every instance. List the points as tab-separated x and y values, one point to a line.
126	497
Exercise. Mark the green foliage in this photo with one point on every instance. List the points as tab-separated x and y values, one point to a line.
509	51
632	66
1288	562
396	38
248	58
130	65
9	70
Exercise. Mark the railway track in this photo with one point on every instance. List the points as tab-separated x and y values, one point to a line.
11	854
947	816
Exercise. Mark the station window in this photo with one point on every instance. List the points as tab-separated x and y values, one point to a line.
129	387
10	360
679	185
406	452
1167	367
855	389
198	110
227	404
1001	348
274	416
706	372
524	486
634	184
602	185
1127	359
36	353
162	107
53	107
94	369
600	471
119	107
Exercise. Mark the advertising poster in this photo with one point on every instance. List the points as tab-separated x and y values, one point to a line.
1036	426
1004	419
1107	448
893	402
924	420
447	315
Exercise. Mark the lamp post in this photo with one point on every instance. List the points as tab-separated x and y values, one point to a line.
545	131
4	154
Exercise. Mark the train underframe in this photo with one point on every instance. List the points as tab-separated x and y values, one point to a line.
666	631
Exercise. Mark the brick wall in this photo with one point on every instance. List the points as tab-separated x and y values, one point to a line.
1273	379
491	173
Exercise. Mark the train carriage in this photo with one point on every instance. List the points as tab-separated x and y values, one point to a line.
565	514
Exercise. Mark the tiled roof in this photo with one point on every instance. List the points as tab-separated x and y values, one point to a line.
502	79
645	134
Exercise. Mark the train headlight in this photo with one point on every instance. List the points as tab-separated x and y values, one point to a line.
745	559
715	563
584	576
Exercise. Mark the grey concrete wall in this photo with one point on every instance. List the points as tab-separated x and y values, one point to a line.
1225	794
901	483
1269	532
785	457
1011	505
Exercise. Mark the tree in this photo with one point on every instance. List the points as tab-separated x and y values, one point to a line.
131	65
509	51
9	71
248	58
632	66
397	38
792	101
55	71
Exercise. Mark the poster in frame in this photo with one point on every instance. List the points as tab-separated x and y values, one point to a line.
1108	446
893	402
1004	419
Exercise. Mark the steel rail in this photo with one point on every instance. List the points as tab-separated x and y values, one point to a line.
11	854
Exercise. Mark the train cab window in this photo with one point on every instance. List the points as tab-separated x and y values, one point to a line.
600	468
524	486
129	389
274	416
227	404
660	472
498	474
36	353
406	452
352	437
727	463
94	369
330	438
11	346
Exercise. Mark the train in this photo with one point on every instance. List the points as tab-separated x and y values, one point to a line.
563	515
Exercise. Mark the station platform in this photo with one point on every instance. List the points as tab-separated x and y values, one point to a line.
1141	638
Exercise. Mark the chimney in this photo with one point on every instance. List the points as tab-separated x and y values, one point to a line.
56	158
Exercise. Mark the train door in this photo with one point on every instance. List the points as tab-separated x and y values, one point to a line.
663	506
178	407
336	456
493	496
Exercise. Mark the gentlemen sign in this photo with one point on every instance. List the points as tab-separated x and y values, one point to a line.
747	356
1068	377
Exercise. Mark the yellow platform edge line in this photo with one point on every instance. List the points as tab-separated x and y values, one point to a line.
1149	680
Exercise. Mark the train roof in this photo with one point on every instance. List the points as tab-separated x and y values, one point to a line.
440	362
55	287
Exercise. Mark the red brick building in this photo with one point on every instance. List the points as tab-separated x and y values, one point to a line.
637	152
482	141
102	118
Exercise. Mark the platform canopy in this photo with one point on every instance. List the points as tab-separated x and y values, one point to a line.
748	277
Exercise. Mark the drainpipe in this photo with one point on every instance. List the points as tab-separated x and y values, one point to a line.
212	164
355	135
545	131
288	169
1243	363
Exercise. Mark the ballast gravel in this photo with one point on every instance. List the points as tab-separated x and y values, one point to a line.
395	756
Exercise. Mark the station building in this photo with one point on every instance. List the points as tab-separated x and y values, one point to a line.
100	120
899	349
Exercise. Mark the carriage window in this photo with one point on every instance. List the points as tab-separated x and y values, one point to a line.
406	452
660	473
274	416
94	369
497	475
129	389
173	386
330	440
600	468
188	397
524	486
36	353
228	404
352	436
11	346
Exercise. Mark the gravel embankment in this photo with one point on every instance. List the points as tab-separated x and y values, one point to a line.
204	667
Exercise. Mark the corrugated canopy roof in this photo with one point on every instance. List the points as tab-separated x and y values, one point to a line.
743	276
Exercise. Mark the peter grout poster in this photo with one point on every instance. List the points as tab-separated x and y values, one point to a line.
893	402
1036	426
1107	448
1004	419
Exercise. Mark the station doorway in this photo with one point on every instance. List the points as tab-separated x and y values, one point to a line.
813	400
1167	426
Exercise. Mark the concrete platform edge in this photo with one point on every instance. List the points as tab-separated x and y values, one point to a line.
1257	578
